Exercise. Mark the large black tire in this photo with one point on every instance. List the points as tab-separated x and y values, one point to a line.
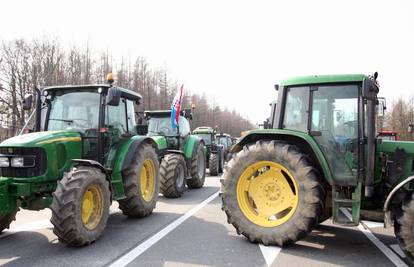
309	206
221	162
214	164
404	228
134	205
6	220
198	168
172	176
67	206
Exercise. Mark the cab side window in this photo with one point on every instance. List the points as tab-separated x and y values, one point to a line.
116	118
131	117
296	109
184	126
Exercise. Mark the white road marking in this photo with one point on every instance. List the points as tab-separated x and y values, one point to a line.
141	248
37	225
269	253
381	246
373	224
398	250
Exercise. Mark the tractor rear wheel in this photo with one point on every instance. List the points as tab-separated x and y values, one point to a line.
80	206
404	228
6	220
141	183
198	168
172	176
272	193
214	164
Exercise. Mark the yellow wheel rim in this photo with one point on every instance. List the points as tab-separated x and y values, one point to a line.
147	180
267	194
92	207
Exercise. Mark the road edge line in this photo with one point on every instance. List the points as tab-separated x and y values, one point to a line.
141	248
394	258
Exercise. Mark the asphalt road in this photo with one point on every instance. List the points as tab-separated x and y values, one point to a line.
192	231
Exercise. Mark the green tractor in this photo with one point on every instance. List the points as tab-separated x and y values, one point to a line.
215	152
227	142
321	158
181	154
82	153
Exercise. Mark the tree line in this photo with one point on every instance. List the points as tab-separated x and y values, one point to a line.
25	64
398	118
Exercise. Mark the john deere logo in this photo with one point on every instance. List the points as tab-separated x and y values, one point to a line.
10	150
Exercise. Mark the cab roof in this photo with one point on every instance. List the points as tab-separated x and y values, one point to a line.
318	79
204	129
129	94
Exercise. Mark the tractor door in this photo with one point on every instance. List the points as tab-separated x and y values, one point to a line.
118	126
334	126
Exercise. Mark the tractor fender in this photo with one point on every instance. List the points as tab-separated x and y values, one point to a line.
390	197
132	147
90	163
190	146
123	158
302	140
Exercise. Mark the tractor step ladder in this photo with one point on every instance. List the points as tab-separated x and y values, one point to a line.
341	206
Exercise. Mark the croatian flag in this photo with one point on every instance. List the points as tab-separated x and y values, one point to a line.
176	107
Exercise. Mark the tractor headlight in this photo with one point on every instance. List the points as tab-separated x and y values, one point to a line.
17	162
4	162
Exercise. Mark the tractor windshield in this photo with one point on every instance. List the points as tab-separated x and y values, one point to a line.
78	111
206	138
162	126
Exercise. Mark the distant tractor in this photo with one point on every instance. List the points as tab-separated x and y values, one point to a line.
215	152
226	141
388	135
320	159
181	154
83	153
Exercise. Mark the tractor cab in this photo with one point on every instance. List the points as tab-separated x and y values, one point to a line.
102	115
159	124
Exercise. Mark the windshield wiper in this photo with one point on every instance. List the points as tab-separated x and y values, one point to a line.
67	121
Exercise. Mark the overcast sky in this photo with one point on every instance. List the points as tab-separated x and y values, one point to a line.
235	51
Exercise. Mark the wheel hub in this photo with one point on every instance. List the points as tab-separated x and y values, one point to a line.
271	191
147	180
92	207
267	193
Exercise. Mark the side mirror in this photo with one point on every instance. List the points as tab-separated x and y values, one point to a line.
113	97
411	128
382	106
27	102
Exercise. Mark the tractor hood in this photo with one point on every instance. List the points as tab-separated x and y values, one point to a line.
41	138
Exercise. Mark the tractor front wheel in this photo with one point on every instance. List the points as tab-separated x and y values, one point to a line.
6	220
214	164
80	206
404	228
141	183
172	176
198	168
272	193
